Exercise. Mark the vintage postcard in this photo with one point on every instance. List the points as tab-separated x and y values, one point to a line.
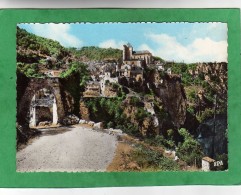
120	97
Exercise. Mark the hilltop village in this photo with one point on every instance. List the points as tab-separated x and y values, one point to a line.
106	75
176	106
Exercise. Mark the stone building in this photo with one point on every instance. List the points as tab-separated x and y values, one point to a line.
207	164
104	80
43	108
131	72
138	58
92	89
43	100
133	63
160	66
108	67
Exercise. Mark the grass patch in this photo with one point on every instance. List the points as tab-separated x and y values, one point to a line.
149	159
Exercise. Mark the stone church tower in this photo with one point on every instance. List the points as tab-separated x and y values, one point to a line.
127	52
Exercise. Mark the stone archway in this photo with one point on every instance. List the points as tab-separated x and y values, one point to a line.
43	98
34	86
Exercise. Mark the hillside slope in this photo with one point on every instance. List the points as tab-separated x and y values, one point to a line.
36	54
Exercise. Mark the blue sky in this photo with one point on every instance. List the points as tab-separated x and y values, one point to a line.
188	42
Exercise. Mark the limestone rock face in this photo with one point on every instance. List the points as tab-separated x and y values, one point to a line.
173	97
218	129
130	113
148	127
68	102
84	111
215	75
24	134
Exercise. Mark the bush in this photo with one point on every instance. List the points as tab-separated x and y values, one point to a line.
159	140
78	68
141	114
189	150
110	125
191	110
111	113
147	158
207	113
134	101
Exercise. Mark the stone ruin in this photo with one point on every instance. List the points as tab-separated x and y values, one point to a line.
42	101
45	101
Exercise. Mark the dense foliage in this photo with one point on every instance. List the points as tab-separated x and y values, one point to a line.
183	70
156	58
189	150
30	70
96	53
36	54
149	159
161	141
81	70
110	111
49	47
193	84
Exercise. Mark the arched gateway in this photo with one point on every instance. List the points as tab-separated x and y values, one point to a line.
43	107
38	96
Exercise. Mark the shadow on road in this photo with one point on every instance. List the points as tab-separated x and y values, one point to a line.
41	132
54	130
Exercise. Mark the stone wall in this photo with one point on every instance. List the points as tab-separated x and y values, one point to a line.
84	111
70	92
27	87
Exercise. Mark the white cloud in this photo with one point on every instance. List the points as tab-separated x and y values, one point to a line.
58	32
146	47
200	50
218	27
216	31
112	43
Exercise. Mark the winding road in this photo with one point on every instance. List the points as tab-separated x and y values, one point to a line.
68	149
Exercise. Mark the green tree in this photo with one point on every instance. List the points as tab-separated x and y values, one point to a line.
78	68
189	150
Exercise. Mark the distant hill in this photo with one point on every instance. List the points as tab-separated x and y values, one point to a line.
36	54
97	54
35	47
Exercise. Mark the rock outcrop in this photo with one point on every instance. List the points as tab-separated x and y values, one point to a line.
98	126
173	97
147	124
71	120
148	127
213	133
84	111
215	74
24	134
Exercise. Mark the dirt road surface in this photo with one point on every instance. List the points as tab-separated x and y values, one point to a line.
70	149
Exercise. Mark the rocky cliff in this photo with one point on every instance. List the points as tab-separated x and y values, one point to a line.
215	74
213	135
172	94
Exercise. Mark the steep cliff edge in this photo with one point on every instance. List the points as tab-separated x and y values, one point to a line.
173	97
